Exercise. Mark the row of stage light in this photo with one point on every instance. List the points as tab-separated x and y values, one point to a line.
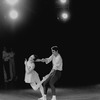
64	14
16	11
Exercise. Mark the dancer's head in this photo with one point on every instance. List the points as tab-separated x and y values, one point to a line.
31	58
31	61
54	50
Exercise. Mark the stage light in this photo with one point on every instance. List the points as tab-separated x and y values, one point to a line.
13	14
64	16
12	2
63	1
16	14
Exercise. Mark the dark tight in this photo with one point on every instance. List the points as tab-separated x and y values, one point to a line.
52	80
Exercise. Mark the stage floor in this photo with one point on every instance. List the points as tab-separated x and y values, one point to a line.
62	94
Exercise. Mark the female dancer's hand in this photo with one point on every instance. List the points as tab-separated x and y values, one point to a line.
40	60
25	61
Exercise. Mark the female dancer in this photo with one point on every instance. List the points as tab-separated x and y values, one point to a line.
32	77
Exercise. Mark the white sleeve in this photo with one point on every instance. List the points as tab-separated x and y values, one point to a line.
49	59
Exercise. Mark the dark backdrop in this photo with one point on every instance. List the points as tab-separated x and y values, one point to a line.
76	40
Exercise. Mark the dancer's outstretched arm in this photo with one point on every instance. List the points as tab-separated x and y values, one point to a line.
40	60
46	60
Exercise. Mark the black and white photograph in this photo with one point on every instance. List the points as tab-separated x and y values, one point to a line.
49	50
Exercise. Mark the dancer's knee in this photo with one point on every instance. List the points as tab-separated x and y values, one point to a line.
34	87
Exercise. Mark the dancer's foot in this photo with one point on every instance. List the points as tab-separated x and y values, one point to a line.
53	98
42	98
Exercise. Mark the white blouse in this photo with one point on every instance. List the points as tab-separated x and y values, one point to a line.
30	75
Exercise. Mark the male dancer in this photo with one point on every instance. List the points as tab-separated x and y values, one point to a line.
55	72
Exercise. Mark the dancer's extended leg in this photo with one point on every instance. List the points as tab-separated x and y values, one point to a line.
33	85
42	93
42	90
40	87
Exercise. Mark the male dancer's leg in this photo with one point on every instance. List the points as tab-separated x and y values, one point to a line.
45	85
52	82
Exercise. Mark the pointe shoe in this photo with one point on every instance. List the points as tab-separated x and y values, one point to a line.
42	98
53	98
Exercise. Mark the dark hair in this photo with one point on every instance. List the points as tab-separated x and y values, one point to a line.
54	48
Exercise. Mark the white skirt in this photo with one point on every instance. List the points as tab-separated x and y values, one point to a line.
32	77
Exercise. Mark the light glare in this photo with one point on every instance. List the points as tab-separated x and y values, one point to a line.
63	1
12	2
64	15
13	14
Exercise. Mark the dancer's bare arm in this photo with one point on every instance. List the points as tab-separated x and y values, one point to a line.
40	60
